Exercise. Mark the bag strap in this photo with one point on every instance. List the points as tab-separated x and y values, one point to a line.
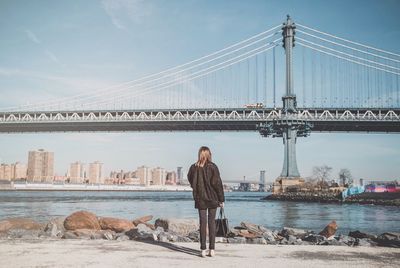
222	213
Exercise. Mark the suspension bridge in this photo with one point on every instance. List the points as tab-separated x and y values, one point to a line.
341	86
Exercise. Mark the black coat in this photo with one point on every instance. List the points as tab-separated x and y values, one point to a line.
207	187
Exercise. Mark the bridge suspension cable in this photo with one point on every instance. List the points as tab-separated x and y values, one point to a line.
349	55
350	74
160	75
195	75
346	40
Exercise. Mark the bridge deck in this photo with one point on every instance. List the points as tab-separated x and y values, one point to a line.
322	120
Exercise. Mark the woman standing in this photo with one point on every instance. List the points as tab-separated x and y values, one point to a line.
208	195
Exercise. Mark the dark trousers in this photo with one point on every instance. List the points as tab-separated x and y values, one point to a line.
211	227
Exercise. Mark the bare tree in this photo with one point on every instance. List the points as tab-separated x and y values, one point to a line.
322	174
345	176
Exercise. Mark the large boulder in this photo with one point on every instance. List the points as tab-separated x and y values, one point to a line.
81	220
329	230
142	219
19	223
114	224
178	226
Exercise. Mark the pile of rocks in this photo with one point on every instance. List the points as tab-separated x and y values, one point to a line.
319	197
86	225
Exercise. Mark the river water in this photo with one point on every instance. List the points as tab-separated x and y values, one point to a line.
240	206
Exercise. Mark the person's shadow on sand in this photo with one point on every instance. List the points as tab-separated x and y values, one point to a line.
171	246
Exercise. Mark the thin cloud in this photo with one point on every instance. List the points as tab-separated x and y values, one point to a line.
52	56
32	36
120	10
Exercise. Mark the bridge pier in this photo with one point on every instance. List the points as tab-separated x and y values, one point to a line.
289	127
289	169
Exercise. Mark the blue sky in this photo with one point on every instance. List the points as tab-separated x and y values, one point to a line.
52	49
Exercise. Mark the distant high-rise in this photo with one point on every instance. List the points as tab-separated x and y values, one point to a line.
144	175
171	178
179	173
14	171
5	172
262	181
77	172
19	171
94	174
40	166
158	176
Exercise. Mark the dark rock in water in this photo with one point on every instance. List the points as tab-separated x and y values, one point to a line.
330	229
386	199
19	223
82	220
115	224
358	234
237	240
142	232
388	240
320	197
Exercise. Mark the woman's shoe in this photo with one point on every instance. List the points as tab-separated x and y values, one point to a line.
203	253
211	253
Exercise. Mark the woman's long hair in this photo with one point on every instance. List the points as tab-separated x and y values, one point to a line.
204	156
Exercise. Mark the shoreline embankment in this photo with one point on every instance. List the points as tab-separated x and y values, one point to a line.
366	198
93	187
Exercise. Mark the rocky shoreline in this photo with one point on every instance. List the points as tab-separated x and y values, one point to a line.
86	225
384	199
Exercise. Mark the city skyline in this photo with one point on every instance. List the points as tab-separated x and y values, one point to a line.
134	39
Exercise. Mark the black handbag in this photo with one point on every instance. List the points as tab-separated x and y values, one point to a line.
221	224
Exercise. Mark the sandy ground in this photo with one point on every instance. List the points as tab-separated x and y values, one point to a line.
103	253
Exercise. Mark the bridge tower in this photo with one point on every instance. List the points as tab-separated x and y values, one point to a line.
289	127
